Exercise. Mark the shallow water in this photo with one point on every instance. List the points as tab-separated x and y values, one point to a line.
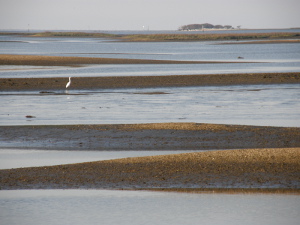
144	207
147	70
16	158
270	105
266	57
274	105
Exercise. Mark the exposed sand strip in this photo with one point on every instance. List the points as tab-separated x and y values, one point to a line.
44	84
250	168
261	42
39	60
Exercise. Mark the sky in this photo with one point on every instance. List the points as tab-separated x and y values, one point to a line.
146	14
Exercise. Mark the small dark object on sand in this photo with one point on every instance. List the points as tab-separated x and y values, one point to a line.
46	92
29	116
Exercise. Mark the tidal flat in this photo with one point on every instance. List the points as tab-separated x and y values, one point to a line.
263	157
257	158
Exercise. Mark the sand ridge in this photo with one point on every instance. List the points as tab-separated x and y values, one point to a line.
249	168
42	60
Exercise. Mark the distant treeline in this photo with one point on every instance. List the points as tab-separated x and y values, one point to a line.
208	37
204	26
167	37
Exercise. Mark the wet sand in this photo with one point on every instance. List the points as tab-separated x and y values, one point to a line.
273	166
258	169
59	83
157	136
40	60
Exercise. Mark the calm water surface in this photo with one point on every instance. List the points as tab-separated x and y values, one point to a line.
16	158
142	207
275	105
271	105
264	57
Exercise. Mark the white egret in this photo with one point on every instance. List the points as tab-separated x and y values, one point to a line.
69	83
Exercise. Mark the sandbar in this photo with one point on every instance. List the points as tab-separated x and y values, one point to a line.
42	60
249	159
59	83
271	169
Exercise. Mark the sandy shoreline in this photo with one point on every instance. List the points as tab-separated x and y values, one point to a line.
258	169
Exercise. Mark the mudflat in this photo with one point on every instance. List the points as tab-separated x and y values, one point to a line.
59	83
265	159
156	136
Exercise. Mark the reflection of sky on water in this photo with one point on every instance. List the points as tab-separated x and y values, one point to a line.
276	105
16	158
144	207
271	105
278	57
147	70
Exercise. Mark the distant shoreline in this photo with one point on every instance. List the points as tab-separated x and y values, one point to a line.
163	37
288	41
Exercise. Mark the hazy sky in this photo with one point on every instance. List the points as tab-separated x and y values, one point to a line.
155	14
